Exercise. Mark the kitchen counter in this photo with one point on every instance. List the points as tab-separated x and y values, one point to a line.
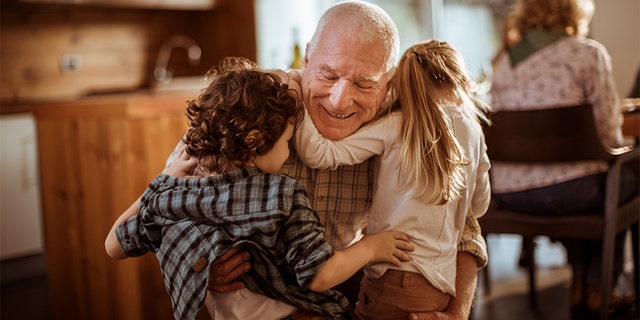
119	100
136	104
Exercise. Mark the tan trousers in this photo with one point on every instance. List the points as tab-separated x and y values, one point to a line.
396	294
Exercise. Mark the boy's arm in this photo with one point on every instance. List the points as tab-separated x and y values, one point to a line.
180	166
111	244
387	246
316	151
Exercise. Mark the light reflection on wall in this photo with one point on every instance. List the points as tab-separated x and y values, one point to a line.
469	28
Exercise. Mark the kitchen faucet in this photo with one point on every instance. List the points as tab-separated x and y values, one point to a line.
161	72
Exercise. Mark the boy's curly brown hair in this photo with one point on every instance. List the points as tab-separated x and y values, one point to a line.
240	98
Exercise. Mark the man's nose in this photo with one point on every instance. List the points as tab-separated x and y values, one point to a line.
341	94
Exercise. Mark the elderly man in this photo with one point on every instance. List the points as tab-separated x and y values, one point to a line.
348	65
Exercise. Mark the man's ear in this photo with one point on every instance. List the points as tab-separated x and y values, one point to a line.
253	139
391	75
305	60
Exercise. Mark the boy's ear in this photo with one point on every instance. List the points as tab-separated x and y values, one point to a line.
252	140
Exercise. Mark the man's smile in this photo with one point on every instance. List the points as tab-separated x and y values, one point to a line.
339	116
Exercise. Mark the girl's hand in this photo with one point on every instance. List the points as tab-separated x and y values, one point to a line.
388	246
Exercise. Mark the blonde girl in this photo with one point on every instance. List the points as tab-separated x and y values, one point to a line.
433	173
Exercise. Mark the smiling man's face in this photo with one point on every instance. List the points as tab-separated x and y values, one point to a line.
343	83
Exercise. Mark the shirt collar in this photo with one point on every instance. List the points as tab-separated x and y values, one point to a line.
532	42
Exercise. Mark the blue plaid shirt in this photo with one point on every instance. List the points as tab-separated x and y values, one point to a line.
188	223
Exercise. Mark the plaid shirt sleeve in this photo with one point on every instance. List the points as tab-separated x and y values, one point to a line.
133	238
307	251
473	242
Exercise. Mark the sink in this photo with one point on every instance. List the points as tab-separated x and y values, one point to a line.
191	83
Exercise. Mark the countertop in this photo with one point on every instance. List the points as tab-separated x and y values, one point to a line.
133	103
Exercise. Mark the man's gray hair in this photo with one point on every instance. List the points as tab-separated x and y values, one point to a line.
368	22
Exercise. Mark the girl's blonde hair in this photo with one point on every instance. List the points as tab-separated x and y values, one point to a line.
429	80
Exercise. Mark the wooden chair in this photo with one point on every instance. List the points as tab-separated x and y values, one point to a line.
559	135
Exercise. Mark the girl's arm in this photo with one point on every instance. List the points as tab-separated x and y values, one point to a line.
386	246
316	151
328	154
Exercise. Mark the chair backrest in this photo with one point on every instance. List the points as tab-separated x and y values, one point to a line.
545	135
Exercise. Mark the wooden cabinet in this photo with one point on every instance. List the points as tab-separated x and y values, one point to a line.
96	157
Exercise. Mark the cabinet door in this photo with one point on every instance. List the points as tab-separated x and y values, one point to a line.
93	168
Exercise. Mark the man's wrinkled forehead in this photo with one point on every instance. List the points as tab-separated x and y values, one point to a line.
373	77
344	56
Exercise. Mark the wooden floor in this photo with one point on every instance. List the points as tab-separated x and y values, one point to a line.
28	298
508	298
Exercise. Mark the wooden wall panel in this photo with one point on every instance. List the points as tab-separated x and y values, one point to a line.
229	30
116	48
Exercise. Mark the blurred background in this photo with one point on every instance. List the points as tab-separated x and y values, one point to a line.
92	99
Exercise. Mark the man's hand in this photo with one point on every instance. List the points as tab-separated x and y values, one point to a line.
226	269
459	306
435	316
